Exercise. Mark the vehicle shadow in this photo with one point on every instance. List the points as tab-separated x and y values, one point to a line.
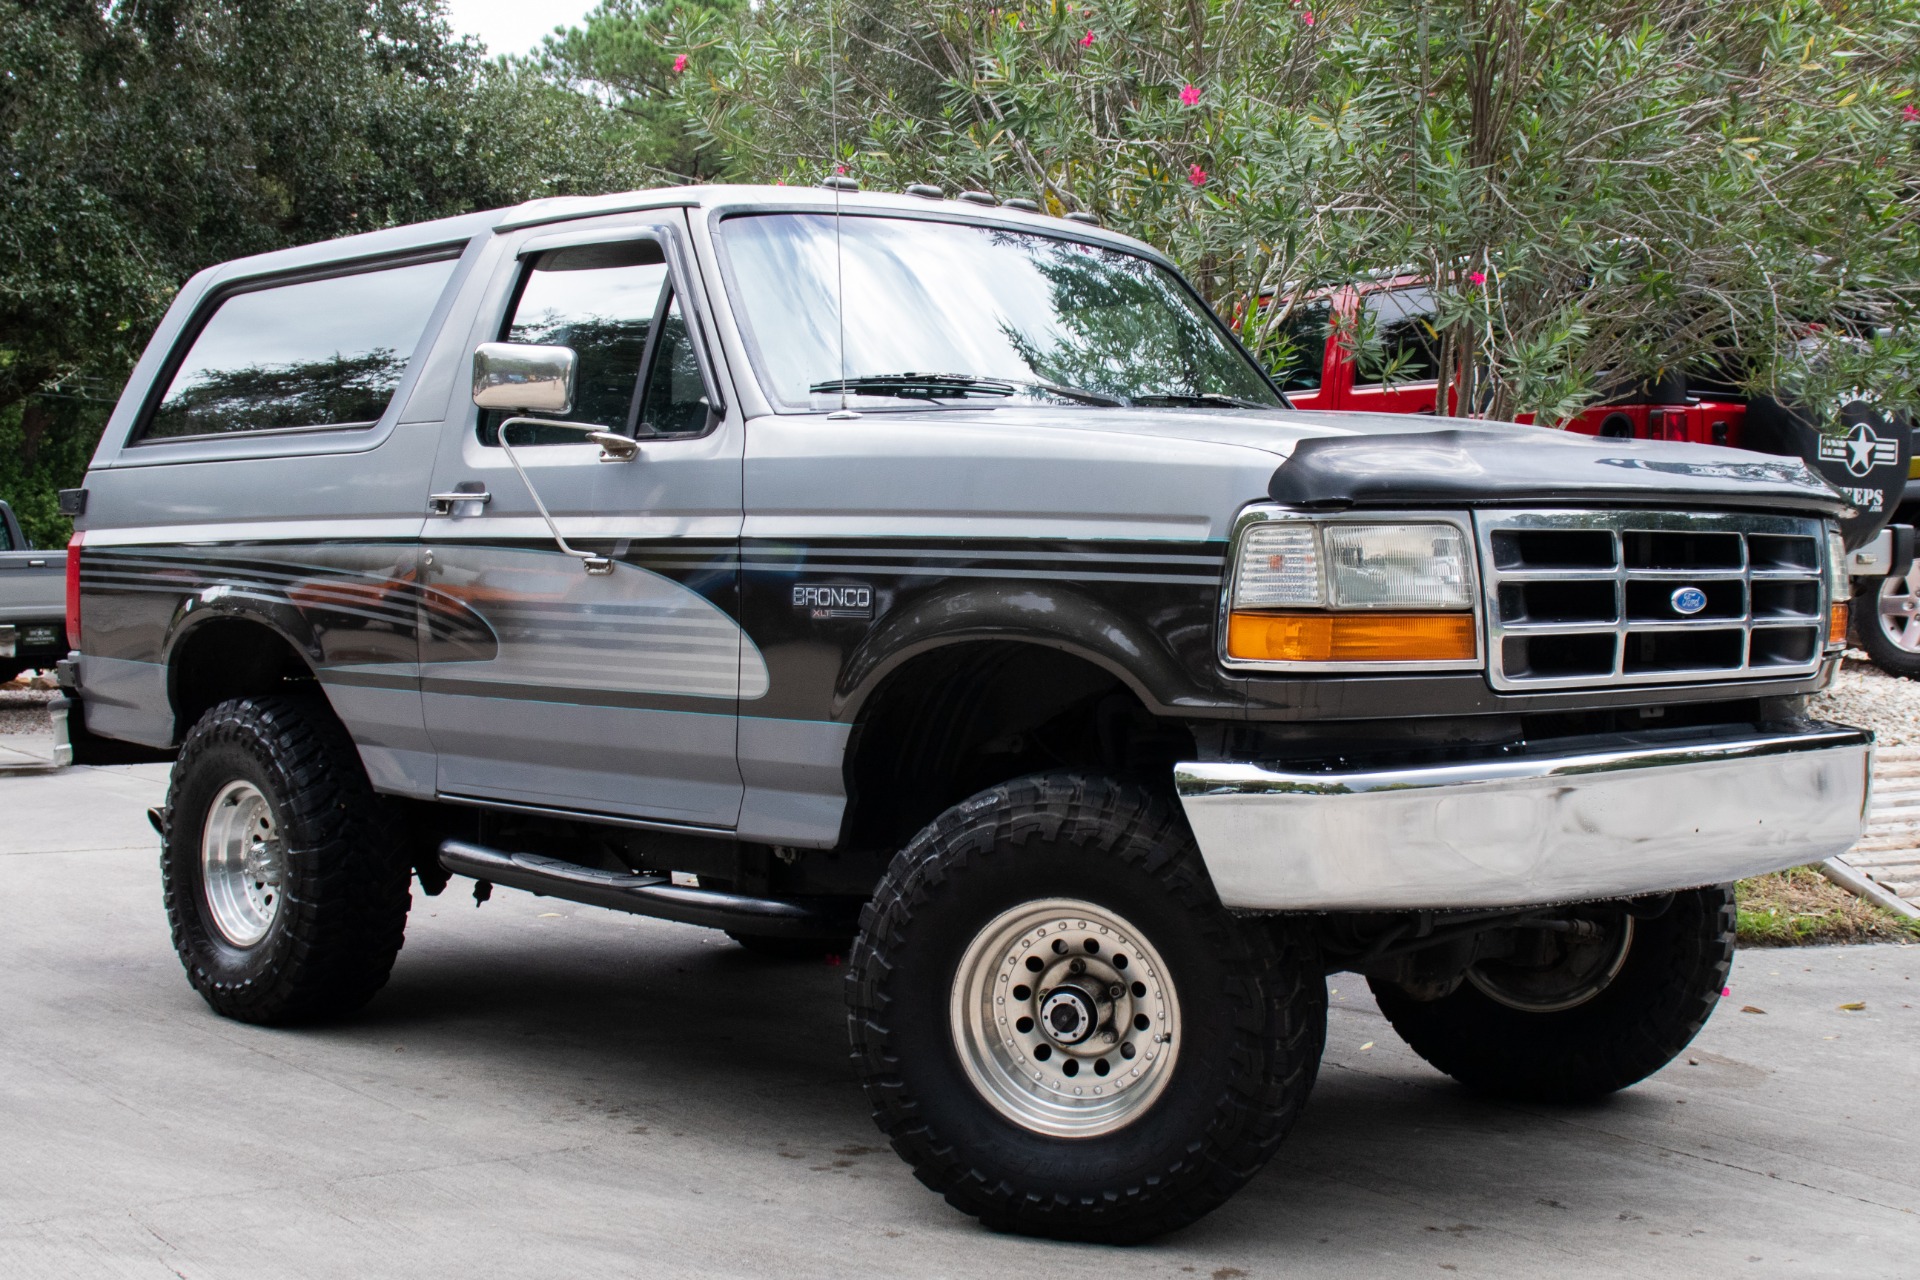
691	1029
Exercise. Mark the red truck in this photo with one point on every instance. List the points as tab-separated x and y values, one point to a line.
1870	460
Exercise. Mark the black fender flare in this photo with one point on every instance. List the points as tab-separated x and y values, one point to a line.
1046	614
218	604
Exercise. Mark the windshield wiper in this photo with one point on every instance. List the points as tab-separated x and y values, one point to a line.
918	386
1081	394
1203	399
942	386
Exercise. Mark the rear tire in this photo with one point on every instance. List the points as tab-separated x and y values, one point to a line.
284	883
1204	1032
1662	993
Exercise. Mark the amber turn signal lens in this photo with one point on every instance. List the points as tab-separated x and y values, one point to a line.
1351	637
1837	623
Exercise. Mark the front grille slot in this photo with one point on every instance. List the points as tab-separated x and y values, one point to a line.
1681	552
1543	603
1554	549
1581	598
1658	652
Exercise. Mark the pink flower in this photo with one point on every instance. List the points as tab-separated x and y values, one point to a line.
1478	277
1197	176
1307	17
1189	95
679	63
1086	40
1910	111
840	168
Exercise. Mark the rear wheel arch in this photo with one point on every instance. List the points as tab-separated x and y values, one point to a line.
231	655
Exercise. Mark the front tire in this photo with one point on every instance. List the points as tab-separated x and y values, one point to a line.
284	883
1611	1016
1059	1026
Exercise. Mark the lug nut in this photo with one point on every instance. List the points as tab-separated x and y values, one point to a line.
1076	965
1115	991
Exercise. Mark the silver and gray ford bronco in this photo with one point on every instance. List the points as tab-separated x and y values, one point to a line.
942	584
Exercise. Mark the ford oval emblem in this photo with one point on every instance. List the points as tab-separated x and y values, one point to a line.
1688	601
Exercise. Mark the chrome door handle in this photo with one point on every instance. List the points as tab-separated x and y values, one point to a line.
36	564
441	504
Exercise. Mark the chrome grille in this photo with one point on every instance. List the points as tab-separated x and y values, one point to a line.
1582	598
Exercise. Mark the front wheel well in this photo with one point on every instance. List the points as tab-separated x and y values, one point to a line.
231	658
955	721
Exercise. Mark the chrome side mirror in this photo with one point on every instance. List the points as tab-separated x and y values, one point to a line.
520	377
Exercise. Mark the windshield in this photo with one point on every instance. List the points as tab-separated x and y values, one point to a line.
948	313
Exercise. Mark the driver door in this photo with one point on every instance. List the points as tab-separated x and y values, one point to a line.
550	687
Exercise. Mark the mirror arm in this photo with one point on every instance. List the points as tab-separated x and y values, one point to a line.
613	448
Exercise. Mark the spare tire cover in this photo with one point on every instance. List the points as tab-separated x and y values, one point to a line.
1863	452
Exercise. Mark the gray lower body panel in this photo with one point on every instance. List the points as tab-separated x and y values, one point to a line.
1610	822
127	700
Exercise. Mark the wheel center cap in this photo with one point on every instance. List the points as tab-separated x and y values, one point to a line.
1068	1015
259	861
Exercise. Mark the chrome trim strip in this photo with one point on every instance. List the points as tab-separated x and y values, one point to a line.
1606	822
1223	778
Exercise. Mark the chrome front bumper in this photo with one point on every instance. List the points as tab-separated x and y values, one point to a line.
1526	830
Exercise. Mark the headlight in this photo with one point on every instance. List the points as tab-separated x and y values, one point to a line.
1398	566
1345	592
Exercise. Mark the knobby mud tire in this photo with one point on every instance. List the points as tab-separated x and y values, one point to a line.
1253	1014
343	913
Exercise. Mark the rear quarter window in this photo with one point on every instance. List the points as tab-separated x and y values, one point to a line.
300	355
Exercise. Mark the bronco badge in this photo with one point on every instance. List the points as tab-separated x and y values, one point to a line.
834	600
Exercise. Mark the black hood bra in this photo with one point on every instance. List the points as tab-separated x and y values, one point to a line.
1509	465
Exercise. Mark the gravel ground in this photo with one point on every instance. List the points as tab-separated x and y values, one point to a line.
1865	696
23	710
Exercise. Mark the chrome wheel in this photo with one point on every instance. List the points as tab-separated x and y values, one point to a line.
1899	613
1065	1018
1577	966
242	864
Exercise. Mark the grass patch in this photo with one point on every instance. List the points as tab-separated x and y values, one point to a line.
1801	907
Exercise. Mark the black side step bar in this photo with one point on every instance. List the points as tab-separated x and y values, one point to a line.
651	895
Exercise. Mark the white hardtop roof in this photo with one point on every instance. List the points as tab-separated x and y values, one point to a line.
422	236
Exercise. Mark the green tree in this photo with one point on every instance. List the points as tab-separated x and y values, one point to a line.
143	141
1599	189
629	54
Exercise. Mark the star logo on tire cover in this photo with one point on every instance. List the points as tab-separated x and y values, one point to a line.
1860	449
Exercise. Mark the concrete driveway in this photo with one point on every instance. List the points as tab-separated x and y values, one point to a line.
556	1091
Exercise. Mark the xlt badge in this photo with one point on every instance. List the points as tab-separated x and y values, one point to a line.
834	600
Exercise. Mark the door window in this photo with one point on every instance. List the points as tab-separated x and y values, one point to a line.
675	402
1402	346
601	300
314	353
